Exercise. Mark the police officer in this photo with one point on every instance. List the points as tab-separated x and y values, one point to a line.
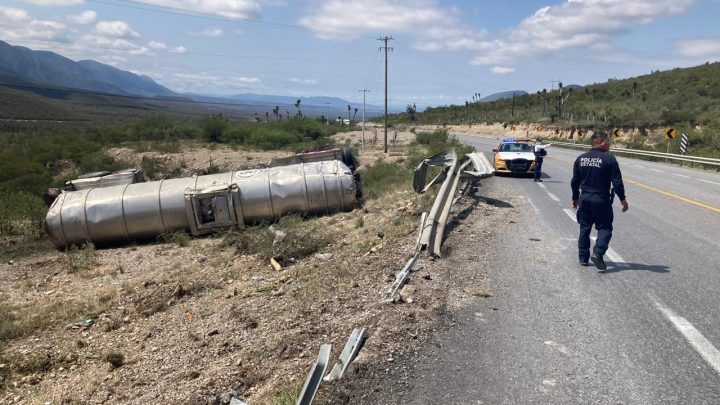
540	152
593	173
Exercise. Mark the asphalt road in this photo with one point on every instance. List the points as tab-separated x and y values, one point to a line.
646	331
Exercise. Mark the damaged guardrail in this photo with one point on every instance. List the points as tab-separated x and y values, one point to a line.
473	166
453	173
200	204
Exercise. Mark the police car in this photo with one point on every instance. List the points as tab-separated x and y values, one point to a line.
515	156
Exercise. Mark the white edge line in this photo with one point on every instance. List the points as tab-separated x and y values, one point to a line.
610	253
693	336
708	181
553	196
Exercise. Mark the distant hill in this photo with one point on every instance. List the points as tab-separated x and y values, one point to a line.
21	64
56	77
503	95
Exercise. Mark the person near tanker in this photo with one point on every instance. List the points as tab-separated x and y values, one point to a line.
540	153
593	174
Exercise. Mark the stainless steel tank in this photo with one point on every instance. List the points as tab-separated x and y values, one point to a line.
200	204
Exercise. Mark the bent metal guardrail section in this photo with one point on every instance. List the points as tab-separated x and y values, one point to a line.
201	204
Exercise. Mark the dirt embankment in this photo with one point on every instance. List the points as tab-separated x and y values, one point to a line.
195	321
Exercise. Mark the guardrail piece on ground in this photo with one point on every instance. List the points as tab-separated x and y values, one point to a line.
314	378
400	278
352	347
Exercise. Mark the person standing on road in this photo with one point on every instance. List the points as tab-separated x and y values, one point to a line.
540	153
592	197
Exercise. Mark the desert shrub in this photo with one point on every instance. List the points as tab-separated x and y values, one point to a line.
267	138
81	259
180	238
437	136
290	237
7	319
21	213
384	178
286	395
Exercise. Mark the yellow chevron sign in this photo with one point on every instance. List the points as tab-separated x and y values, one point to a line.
616	132
670	133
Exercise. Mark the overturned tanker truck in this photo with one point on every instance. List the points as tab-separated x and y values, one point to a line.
308	183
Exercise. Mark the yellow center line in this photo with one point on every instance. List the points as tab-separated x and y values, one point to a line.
687	200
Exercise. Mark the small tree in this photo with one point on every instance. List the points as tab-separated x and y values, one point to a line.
411	110
213	127
297	105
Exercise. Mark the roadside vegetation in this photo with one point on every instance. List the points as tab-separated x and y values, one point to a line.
68	320
32	161
687	99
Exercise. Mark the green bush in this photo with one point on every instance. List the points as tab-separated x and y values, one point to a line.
21	213
437	136
384	178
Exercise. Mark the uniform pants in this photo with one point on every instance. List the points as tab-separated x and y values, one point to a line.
538	167
595	209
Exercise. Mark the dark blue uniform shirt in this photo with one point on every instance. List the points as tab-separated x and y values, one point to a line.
594	171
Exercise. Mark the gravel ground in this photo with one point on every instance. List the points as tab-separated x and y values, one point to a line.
199	321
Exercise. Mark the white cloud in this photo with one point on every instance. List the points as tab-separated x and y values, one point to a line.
161	46
157	45
246	80
502	70
55	3
86	17
699	47
209	32
434	27
575	23
98	41
118	29
17	25
234	9
303	81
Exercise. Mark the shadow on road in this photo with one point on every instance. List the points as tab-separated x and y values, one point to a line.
477	199
492	201
618	267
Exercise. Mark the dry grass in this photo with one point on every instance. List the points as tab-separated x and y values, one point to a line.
238	320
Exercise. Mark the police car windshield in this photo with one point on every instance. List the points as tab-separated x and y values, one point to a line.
515	147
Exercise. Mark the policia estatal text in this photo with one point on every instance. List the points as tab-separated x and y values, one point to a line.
593	173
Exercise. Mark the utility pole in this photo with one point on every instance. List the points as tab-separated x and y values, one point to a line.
327	112
552	84
364	92
512	114
385	39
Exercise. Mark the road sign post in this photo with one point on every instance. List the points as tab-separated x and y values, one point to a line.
670	134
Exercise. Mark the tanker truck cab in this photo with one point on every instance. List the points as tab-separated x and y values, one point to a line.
515	156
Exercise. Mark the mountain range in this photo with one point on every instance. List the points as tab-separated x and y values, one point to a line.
22	67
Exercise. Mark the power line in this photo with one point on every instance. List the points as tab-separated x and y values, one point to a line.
187	13
434	62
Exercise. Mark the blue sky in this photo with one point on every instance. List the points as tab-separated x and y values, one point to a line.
444	51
